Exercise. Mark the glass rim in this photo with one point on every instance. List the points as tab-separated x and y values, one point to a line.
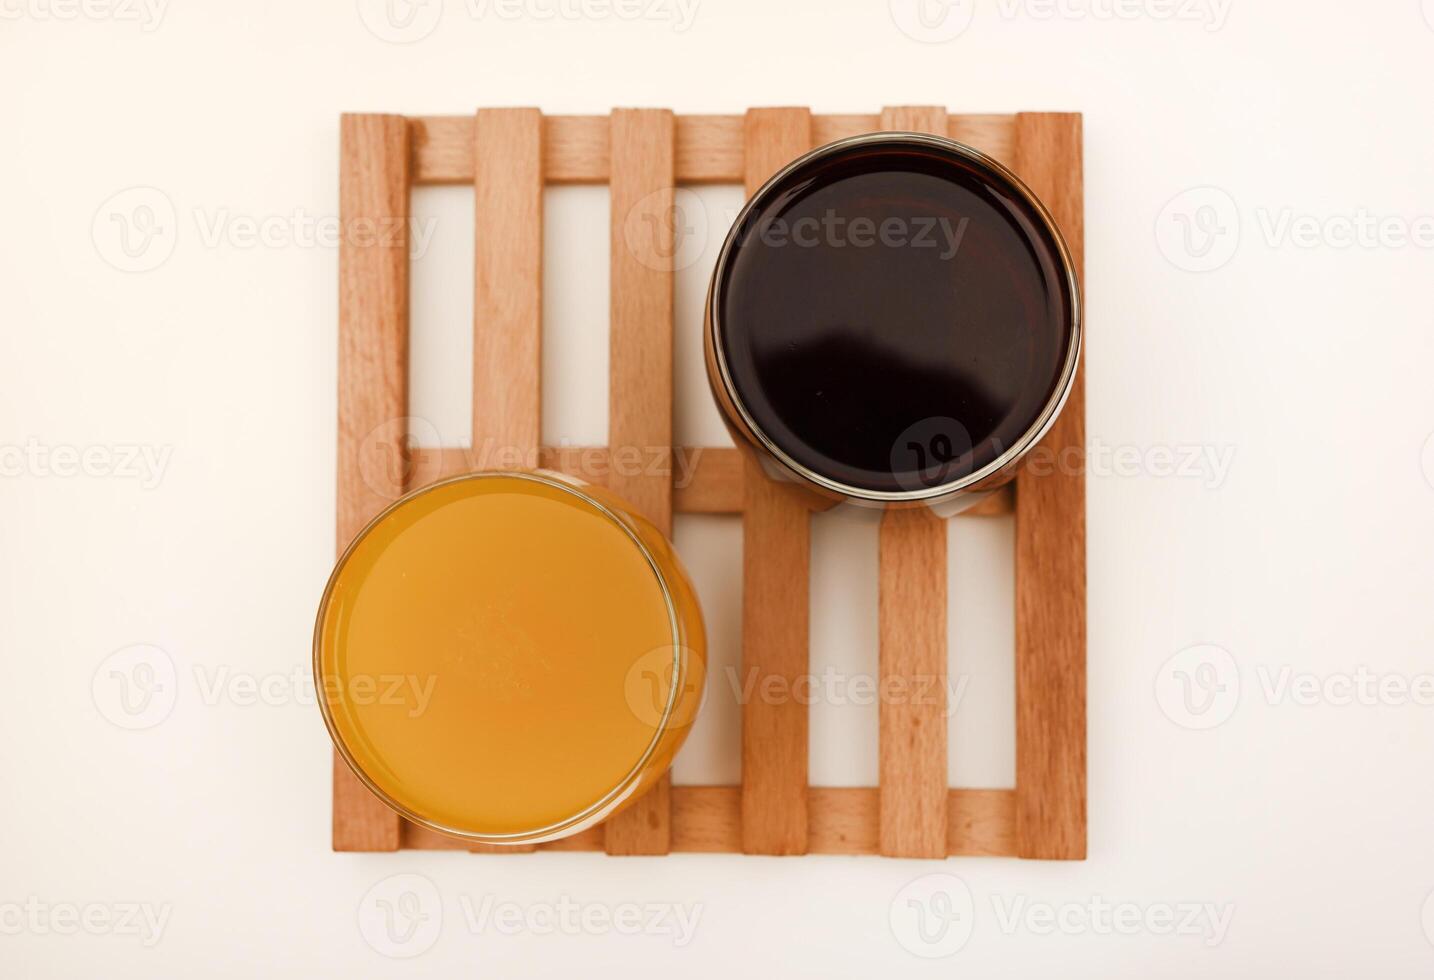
594	812
1031	435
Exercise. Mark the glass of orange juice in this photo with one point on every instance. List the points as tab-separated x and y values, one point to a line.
509	657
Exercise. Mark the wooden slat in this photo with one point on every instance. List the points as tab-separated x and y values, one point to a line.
508	287
705	479
507	294
442	149
981	822
776	572
912	611
373	386
1050	556
708	148
642	145
576	149
708	819
911	608
988	133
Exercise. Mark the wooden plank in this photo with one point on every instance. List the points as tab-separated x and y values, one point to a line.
981	822
705	479
709	149
776	572
912	612
844	820
507	296
372	386
1050	556
442	149
826	129
640	365
988	133
576	149
707	819
508	288
911	609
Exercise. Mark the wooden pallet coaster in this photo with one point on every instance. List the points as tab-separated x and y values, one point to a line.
508	156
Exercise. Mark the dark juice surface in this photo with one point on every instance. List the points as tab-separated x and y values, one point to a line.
894	317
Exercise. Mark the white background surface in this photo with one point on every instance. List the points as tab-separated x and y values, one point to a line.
1301	361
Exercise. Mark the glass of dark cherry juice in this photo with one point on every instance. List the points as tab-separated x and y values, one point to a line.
894	319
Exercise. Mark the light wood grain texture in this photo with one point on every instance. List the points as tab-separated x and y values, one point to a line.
1050	557
508	287
507	297
641	145
915	119
911	609
373	386
708	819
991	134
509	155
576	149
776	572
705	479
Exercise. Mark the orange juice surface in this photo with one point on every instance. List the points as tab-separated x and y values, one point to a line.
499	655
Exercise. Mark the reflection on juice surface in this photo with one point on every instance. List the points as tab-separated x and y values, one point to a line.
509	656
